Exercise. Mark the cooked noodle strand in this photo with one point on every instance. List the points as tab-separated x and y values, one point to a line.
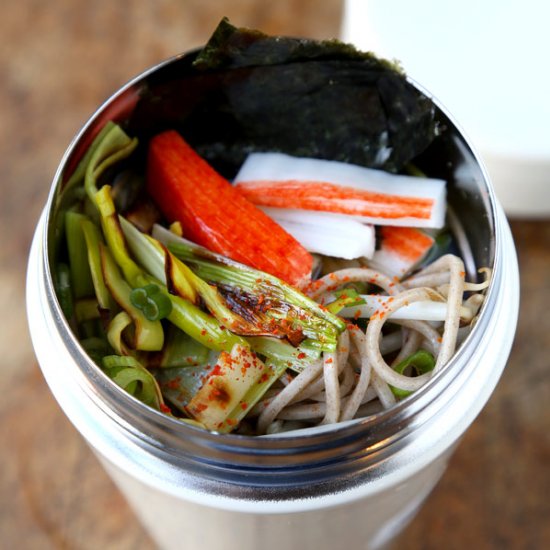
383	370
356	398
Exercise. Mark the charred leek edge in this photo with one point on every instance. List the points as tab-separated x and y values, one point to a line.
180	384
422	361
184	314
132	376
314	326
154	257
234	375
317	323
147	252
115	238
187	316
110	147
238	273
272	371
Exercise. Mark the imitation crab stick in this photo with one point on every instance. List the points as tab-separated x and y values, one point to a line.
371	196
326	233
400	249
216	215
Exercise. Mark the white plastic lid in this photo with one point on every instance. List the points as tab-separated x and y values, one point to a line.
485	61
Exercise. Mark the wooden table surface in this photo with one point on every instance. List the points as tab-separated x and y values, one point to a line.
58	61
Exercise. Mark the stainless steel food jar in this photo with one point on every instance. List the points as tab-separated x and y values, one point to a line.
357	483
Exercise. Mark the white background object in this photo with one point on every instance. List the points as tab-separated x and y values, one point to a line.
486	62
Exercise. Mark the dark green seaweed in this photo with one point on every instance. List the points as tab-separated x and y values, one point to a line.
246	91
230	47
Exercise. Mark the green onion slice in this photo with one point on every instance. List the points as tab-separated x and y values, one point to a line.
149	299
421	361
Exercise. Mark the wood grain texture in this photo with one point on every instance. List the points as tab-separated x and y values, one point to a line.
58	61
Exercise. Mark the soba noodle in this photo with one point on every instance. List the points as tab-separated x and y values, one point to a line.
357	378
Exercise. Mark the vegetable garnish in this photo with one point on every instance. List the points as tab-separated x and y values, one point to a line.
369	304
129	374
420	361
148	333
233	375
180	350
81	277
213	213
344	299
258	305
64	289
115	331
254	292
370	196
154	304
93	237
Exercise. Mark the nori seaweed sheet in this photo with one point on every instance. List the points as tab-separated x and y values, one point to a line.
246	91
